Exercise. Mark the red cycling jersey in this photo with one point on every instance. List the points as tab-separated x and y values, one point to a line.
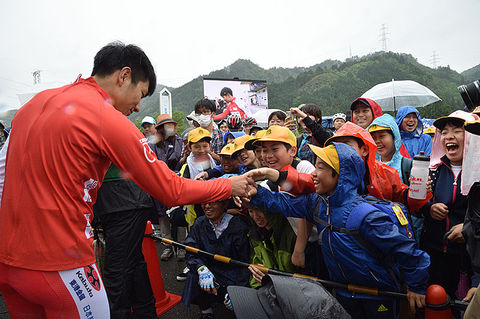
232	108
62	142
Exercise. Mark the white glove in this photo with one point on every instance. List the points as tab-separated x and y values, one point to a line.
205	277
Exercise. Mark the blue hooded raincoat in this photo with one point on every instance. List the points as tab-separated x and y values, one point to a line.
415	141
348	261
396	161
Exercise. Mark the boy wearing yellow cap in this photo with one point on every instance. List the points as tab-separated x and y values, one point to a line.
279	147
199	140
228	165
339	171
246	157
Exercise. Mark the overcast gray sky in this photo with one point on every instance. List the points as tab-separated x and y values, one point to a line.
185	39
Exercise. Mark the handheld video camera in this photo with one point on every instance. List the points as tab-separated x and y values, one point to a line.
470	94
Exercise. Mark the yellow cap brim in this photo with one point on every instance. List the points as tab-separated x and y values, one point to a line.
473	127
320	152
376	128
429	130
227	150
198	138
263	139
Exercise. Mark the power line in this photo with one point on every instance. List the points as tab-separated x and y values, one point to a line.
383	37
434	59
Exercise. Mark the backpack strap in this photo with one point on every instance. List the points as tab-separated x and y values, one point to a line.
406	168
354	220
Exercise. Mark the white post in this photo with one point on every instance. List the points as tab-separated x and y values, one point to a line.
165	101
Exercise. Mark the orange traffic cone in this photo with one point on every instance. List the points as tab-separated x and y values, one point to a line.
437	303
164	301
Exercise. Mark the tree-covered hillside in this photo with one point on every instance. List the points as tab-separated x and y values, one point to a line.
332	84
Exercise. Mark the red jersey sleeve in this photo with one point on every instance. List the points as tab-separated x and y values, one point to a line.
223	114
127	148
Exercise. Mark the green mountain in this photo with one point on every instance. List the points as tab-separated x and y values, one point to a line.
336	87
472	74
332	84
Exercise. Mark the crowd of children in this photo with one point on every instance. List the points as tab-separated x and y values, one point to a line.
310	176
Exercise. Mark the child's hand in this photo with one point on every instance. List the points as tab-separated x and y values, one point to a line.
439	211
201	176
256	273
429	185
470	294
456	234
263	173
298	258
290	123
298	113
415	299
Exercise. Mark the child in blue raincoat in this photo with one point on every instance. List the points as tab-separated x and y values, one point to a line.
411	130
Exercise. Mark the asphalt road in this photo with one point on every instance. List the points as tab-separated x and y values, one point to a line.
170	269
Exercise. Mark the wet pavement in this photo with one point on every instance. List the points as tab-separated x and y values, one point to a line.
170	270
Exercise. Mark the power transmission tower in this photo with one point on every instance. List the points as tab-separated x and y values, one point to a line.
383	37
434	59
36	76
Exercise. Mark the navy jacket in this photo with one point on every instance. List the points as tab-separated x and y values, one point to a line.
348	261
446	190
233	243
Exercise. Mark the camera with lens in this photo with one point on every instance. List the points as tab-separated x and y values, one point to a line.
470	94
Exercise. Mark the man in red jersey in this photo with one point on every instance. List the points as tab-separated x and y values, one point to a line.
63	141
232	107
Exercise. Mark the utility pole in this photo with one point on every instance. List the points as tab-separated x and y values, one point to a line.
36	77
383	37
434	59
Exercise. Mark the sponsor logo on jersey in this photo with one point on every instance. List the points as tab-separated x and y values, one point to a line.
89	185
88	227
93	277
147	151
76	288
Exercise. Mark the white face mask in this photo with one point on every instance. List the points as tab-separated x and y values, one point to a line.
204	120
169	132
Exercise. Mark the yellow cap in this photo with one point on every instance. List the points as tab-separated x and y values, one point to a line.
277	133
249	144
429	130
227	150
477	110
473	127
239	142
376	128
197	134
327	154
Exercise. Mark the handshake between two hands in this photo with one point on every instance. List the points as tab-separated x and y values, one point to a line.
244	186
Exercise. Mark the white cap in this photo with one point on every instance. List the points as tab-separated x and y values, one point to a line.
149	120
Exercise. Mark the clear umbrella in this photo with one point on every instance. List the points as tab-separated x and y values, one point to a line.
395	94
